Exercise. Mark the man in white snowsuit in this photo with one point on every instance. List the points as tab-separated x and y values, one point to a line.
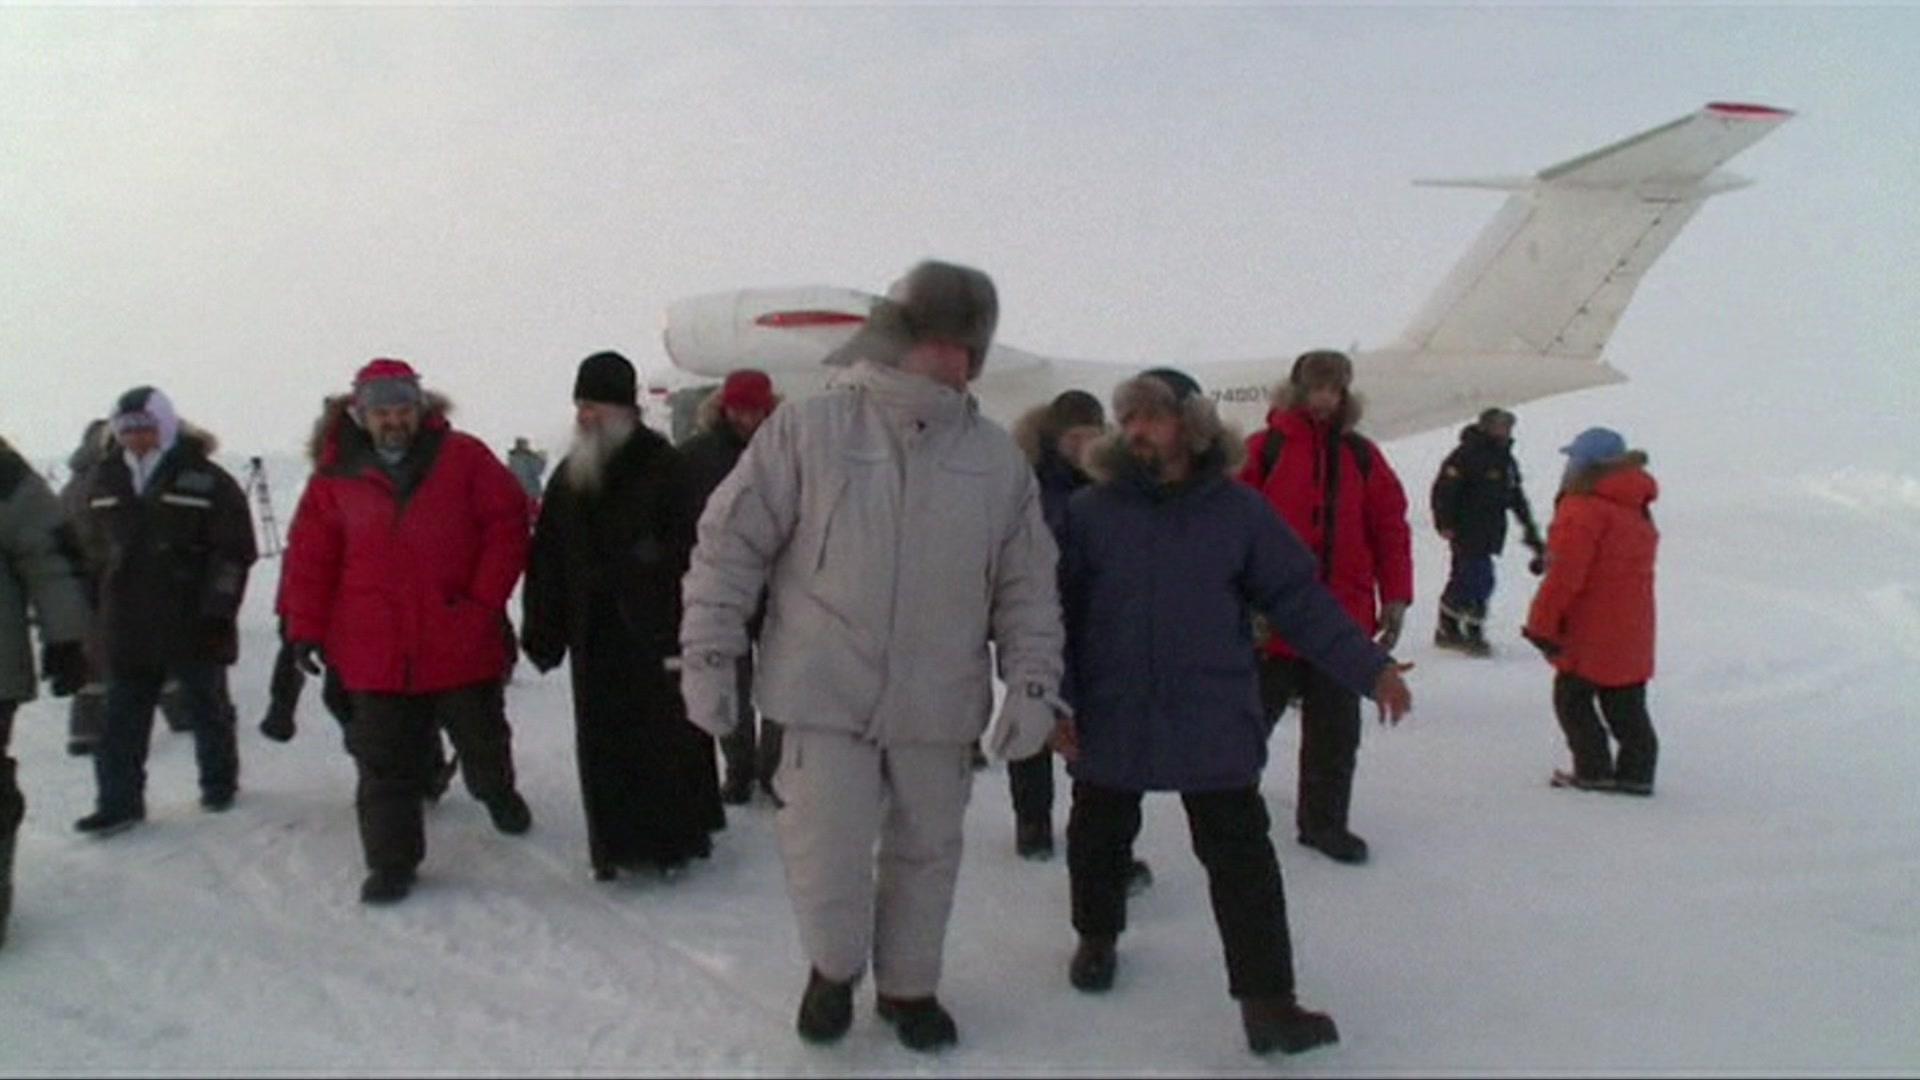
897	532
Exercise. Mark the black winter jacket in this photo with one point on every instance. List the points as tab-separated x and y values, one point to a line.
1477	485
172	561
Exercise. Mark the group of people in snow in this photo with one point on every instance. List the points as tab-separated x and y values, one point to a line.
825	590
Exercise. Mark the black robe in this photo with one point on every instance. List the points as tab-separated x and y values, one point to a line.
603	583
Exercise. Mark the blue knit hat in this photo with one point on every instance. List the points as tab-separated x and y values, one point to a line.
1596	444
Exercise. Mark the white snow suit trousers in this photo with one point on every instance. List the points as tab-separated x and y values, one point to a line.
843	796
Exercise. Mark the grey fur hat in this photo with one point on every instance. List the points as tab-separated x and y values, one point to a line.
935	301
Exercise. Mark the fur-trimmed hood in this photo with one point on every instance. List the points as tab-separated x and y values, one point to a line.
1029	433
323	443
1109	460
1594	478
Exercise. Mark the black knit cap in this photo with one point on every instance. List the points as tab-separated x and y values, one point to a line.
607	377
1075	408
1179	382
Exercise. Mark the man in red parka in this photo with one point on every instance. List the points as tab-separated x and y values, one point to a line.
1343	500
406	545
1593	617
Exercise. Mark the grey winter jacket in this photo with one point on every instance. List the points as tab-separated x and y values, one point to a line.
898	532
39	568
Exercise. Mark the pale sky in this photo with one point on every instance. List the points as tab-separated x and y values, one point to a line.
242	205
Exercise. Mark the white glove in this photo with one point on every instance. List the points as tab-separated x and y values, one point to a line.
709	684
1027	718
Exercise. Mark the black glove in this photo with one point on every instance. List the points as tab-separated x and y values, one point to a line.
64	666
544	654
278	725
308	658
1538	564
1548	647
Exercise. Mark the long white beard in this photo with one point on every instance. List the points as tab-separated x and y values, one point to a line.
593	447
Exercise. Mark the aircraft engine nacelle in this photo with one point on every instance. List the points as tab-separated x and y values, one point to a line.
779	331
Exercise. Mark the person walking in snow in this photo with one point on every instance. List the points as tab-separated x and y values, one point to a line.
1164	557
727	420
1477	486
403	551
42	585
173	535
899	536
1593	616
1342	499
603	586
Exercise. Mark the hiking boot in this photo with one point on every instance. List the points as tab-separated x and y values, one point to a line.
1279	1023
922	1023
386	886
1092	967
510	813
826	1009
1447	634
106	823
217	802
737	791
1033	839
1337	844
1633	787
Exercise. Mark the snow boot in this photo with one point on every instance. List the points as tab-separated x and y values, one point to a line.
441	776
104	823
1337	844
1475	629
1279	1023
1033	839
510	813
922	1023
386	886
737	791
826	1008
1091	970
1564	779
1448	635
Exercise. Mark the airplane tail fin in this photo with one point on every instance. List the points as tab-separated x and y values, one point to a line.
1552	273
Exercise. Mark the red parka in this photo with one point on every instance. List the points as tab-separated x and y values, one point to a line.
1372	548
403	577
1596	600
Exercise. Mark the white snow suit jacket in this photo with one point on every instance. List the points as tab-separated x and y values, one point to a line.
897	532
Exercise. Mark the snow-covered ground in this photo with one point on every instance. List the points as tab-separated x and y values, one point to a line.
1758	915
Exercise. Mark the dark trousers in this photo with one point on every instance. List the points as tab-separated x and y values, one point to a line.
13	805
1625	708
1031	782
392	737
120	761
1469	583
750	756
1329	738
1229	830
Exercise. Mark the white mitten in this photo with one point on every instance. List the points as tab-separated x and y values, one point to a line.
1026	720
709	684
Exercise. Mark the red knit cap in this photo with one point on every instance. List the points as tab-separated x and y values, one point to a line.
386	382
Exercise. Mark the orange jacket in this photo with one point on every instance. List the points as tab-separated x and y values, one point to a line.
1596	601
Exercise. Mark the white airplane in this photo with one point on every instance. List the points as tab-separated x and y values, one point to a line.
1524	315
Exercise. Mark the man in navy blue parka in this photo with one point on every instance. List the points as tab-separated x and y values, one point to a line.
1165	558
